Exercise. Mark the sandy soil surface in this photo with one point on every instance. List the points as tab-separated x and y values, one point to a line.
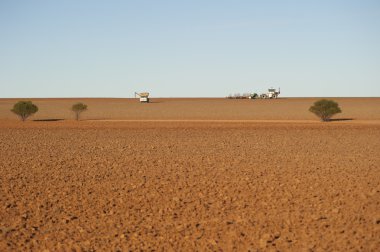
191	185
196	109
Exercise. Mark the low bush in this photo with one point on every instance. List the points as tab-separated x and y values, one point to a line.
24	109
325	109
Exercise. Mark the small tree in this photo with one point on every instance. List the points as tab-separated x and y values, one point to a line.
325	109
78	108
24	109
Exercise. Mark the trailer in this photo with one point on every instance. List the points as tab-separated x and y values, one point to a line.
144	97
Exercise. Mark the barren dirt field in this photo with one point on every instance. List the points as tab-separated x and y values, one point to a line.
194	109
179	175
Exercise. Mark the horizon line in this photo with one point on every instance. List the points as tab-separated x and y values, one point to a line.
181	97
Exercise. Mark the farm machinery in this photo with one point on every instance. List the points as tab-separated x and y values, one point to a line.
271	94
144	97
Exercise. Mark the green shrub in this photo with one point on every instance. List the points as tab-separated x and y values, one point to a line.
325	109
78	108
24	109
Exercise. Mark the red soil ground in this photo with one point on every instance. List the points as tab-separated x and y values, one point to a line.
285	182
196	109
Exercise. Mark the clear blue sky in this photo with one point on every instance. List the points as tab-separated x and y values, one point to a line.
78	48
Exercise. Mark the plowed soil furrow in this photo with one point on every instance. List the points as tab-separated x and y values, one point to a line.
109	186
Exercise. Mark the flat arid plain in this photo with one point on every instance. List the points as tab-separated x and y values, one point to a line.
190	175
